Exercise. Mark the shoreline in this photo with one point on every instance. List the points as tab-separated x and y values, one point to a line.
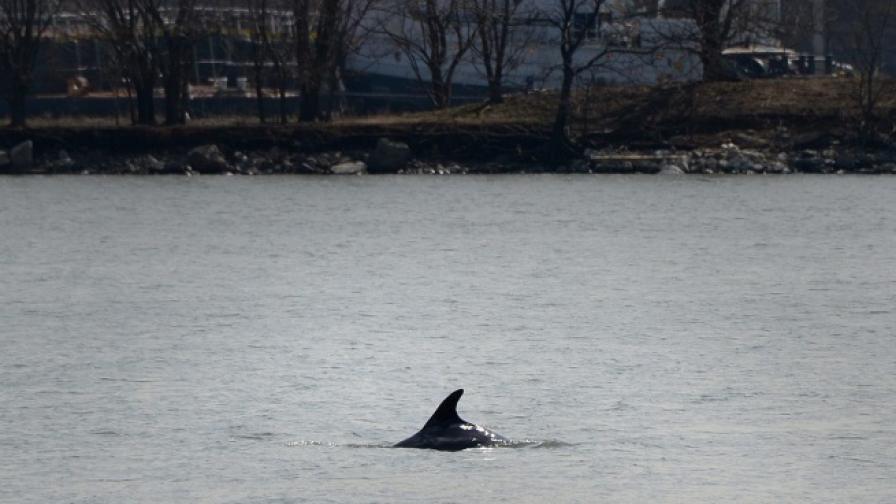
773	126
430	149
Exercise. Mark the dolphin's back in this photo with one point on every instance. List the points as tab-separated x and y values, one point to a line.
446	430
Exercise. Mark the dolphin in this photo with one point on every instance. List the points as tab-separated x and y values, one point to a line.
449	432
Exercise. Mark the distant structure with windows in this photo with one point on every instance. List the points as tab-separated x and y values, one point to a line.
636	32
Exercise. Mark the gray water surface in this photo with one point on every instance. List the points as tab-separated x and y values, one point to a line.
255	340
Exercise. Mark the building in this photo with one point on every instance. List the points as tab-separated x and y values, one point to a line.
639	52
828	28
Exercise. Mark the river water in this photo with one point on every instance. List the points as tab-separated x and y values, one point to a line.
263	340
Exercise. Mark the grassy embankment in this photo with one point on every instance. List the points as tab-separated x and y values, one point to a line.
693	115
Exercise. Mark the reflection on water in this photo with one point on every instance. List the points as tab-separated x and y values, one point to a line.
651	339
523	443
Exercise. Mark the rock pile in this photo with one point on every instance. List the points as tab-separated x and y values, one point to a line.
732	159
208	159
396	157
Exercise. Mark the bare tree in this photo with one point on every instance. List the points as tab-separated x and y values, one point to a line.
315	35
178	25
130	36
351	34
326	32
434	36
576	22
504	31
302	22
23	25
799	21
151	39
320	59
272	50
259	37
280	51
719	24
867	26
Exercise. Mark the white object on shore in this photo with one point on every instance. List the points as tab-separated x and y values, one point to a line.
349	168
671	169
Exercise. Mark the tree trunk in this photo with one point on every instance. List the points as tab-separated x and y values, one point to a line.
17	109
302	20
174	113
321	62
281	75
496	77
259	94
495	91
441	94
260	51
144	88
714	68
131	111
282	92
439	89
329	103
176	83
309	105
146	110
560	147
712	42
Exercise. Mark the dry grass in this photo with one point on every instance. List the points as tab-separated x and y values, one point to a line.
792	96
109	122
600	106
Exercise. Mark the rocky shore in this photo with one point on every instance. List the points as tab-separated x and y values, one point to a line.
774	126
393	157
210	159
732	159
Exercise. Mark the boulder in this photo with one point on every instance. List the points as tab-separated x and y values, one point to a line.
711	164
670	169
4	159
151	164
208	159
612	166
389	156
175	168
349	168
777	167
739	163
809	164
22	155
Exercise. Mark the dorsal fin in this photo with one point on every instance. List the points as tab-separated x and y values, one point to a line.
447	411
